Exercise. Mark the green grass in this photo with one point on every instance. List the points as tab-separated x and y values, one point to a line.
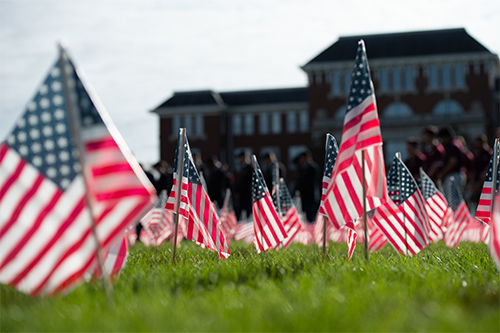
296	289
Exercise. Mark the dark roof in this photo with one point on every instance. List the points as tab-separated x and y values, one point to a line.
405	44
236	98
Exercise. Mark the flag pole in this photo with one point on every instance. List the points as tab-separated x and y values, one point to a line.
365	222
180	169
494	175
324	234
277	191
254	164
108	288
398	155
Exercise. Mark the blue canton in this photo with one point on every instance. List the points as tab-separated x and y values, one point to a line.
361	84
332	150
259	187
400	183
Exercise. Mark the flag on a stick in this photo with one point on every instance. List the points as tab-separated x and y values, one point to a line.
196	209
331	153
483	211
268	229
436	206
361	141
157	223
495	234
461	215
114	259
403	219
50	202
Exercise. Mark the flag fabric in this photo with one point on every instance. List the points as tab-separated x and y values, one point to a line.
114	260
495	234
245	232
157	223
351	238
196	210
291	220
484	206
436	206
268	229
331	152
461	215
403	219
476	231
376	238
228	219
46	202
361	133
131	235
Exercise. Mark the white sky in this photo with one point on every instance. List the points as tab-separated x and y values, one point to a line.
137	53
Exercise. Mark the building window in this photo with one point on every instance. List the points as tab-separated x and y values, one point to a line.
335	84
459	76
347	82
384	80
237	124
176	124
188	124
396	79
276	123
303	121
249	124
198	125
291	122
448	107
397	110
409	79
264	123
446	76
433	77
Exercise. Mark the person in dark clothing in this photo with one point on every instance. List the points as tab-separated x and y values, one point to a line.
454	163
269	169
164	177
416	158
217	180
307	184
433	151
243	186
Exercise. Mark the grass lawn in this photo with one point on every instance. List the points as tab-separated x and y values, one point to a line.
295	289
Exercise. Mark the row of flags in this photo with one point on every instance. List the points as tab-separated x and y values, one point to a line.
71	193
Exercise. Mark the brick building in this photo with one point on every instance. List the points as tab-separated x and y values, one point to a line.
442	77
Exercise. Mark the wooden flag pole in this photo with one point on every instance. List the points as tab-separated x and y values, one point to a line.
72	117
365	221
398	155
494	175
180	169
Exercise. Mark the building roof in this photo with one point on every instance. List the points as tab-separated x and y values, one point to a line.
235	98
405	44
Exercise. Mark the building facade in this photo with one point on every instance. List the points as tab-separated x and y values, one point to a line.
442	77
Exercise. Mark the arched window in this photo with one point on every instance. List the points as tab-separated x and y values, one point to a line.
447	107
397	110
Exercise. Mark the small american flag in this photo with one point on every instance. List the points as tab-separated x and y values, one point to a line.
461	214
114	260
196	210
46	222
332	150
361	135
291	218
228	218
268	229
157	223
403	220
495	234
436	206
484	206
286	201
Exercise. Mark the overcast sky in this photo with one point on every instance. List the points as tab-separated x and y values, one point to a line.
137	53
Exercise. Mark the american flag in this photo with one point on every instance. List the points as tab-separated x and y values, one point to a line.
46	222
157	223
436	206
376	238
228	218
495	234
344	196
198	212
291	219
484	206
268	229
477	231
114	260
403	219
461	214
332	150
245	232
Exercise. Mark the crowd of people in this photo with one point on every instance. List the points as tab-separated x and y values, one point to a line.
439	152
442	155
